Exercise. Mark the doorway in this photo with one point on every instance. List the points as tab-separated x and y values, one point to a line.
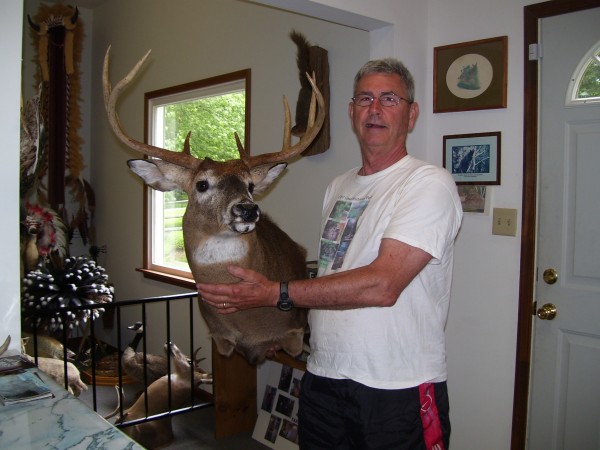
532	16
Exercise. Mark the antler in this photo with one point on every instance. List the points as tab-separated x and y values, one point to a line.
288	150
184	158
111	96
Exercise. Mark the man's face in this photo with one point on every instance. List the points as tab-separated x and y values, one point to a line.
379	127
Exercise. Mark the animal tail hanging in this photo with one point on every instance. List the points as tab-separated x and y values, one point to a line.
303	62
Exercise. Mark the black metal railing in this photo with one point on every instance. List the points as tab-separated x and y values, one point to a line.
89	331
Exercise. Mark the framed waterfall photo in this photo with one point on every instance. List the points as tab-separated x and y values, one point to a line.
473	158
470	76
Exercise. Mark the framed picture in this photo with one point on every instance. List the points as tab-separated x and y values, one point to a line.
470	75
473	158
474	198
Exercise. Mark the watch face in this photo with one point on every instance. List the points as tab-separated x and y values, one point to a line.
285	305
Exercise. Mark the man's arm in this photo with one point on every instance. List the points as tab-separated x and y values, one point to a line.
377	284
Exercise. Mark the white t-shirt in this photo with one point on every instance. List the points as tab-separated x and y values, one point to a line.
401	346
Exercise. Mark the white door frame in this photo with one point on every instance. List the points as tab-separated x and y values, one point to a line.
532	15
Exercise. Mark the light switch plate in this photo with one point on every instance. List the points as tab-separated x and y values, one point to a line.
504	222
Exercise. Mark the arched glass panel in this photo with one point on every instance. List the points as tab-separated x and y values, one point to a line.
585	82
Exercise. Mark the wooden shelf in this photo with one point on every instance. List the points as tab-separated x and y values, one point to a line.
284	358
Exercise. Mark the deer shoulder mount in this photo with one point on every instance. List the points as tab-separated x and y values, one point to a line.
223	225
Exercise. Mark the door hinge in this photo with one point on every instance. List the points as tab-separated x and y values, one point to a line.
535	52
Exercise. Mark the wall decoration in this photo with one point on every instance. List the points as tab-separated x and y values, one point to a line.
474	198
311	59
470	75
277	422
76	281
473	158
57	34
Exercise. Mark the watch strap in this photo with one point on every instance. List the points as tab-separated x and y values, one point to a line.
285	302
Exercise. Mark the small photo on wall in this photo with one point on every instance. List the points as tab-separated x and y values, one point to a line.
271	432
268	398
289	431
474	199
285	378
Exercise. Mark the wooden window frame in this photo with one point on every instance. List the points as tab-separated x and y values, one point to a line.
150	270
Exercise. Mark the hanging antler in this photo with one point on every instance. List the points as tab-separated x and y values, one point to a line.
185	159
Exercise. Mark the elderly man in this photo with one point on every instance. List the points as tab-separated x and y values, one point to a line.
376	375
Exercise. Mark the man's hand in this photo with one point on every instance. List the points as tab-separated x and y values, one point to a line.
252	291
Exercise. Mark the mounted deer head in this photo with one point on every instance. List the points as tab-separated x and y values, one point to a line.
222	225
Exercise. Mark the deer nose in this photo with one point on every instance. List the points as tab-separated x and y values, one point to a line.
248	212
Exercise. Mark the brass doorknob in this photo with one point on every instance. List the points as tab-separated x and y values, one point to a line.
550	276
547	312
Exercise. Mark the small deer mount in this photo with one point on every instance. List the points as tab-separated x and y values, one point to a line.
311	59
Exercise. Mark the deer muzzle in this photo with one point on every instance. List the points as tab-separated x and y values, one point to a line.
245	216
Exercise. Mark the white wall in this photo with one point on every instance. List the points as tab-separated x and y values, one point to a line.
482	327
10	85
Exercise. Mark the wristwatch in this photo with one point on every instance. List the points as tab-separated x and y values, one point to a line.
285	302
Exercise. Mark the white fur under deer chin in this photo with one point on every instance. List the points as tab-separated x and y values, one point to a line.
220	249
243	227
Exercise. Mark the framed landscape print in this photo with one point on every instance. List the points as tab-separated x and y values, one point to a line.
473	158
470	75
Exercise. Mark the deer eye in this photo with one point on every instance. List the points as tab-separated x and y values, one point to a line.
251	188
202	186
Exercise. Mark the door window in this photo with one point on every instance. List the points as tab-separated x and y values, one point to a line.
585	82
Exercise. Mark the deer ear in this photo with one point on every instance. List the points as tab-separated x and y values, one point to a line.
264	175
160	175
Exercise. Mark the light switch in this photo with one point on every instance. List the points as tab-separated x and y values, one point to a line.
504	222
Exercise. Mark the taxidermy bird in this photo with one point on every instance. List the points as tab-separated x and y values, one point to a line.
43	231
133	361
43	235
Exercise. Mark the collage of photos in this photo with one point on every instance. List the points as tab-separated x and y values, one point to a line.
339	231
277	423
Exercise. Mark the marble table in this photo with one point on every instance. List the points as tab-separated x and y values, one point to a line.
61	422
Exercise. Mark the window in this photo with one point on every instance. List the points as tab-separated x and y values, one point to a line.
212	109
585	82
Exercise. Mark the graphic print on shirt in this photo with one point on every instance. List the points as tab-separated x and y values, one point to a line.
339	231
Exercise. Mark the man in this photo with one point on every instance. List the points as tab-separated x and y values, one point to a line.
376	375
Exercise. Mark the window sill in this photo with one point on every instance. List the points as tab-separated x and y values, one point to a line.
175	280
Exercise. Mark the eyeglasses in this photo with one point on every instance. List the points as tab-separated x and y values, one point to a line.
386	100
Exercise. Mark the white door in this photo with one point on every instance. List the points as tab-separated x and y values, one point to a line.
565	389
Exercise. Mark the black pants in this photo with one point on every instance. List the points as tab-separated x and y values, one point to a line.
344	414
